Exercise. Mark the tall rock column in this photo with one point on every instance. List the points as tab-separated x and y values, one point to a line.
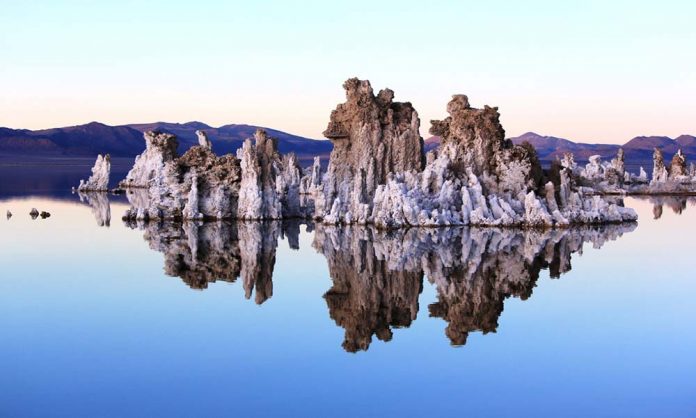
270	186
678	165
99	180
373	136
660	174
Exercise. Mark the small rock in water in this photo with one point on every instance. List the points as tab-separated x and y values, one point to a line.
9	214
45	214
34	213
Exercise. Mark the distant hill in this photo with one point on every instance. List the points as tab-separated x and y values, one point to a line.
638	149
127	140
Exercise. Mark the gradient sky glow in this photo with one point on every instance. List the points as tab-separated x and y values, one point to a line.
592	71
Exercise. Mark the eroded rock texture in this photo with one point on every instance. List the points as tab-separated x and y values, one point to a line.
477	177
160	148
660	174
257	184
377	174
99	180
373	136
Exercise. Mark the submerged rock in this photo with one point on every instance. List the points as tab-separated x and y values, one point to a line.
45	215
99	180
34	213
9	214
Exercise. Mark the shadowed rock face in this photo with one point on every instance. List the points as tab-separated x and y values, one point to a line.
372	137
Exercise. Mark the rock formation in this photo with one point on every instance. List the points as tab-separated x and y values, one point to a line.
678	166
44	214
9	214
34	213
373	136
203	140
660	174
477	177
270	185
99	180
377	174
160	148
258	183
613	178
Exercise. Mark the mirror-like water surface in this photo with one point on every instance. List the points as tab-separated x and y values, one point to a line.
101	318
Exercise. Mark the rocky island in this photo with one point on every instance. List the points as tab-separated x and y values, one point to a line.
675	178
377	174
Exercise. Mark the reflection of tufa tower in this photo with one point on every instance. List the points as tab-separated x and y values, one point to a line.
377	275
367	297
202	253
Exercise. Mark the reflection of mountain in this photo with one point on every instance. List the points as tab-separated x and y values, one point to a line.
202	253
377	276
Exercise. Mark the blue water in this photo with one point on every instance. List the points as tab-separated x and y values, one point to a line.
95	321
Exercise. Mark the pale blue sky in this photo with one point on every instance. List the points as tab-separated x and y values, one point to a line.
592	71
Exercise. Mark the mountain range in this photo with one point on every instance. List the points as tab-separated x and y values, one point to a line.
127	141
639	148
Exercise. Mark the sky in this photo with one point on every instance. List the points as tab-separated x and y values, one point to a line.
590	71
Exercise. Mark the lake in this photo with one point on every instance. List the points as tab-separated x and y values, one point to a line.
105	319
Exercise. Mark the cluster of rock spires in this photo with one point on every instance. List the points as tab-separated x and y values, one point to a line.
613	178
377	174
378	275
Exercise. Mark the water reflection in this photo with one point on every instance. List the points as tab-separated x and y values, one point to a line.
203	253
676	203
377	276
101	208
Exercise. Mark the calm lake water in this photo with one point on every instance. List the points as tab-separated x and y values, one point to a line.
99	318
